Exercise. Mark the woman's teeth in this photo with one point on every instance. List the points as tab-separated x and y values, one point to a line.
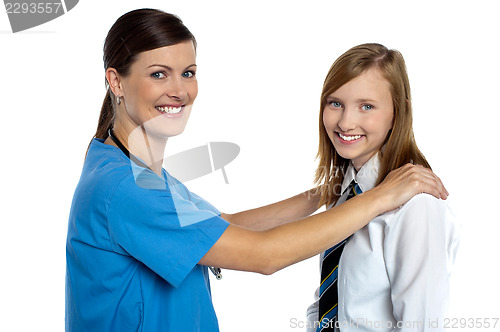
169	110
349	138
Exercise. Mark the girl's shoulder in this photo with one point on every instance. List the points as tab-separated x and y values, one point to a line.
425	202
421	209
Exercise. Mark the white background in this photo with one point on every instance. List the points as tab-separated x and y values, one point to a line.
261	69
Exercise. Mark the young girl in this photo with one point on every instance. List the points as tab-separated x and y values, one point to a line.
393	274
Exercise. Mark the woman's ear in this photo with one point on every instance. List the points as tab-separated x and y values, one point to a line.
114	82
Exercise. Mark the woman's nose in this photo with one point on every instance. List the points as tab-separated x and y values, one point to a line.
176	89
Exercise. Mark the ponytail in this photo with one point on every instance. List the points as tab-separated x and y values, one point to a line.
105	118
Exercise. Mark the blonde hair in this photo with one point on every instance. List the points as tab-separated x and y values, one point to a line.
399	148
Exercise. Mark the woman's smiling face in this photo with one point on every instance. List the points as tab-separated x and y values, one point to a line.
359	115
159	90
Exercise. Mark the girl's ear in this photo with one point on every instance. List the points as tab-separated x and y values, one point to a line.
114	82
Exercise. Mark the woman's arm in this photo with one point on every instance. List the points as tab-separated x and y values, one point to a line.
266	217
269	251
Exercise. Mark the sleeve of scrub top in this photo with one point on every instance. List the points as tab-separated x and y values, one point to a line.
203	204
419	248
197	200
159	228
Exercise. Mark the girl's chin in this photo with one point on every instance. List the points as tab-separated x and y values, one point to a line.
348	156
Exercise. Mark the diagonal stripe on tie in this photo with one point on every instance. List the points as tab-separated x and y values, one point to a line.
328	292
327	317
329	251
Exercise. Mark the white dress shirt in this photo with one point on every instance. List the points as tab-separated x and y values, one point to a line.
394	272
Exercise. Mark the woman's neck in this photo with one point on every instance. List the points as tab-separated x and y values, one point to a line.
148	148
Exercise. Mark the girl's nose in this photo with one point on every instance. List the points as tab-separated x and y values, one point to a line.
347	121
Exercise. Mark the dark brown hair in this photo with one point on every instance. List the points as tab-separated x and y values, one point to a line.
135	32
399	147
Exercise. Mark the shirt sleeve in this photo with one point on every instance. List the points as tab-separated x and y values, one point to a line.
161	229
419	248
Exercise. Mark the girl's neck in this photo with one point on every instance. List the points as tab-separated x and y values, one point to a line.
357	167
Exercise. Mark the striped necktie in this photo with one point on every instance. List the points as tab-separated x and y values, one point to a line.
328	293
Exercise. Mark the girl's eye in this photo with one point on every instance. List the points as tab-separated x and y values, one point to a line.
188	74
158	74
367	107
336	104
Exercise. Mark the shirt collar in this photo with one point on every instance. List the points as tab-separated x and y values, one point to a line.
366	177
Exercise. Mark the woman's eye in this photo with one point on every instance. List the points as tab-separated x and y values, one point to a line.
188	74
336	104
158	74
367	107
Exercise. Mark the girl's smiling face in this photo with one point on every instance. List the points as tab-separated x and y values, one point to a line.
359	115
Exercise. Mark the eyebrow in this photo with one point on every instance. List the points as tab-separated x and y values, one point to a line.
169	68
366	100
361	100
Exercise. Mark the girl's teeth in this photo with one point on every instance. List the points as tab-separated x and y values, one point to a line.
349	138
169	110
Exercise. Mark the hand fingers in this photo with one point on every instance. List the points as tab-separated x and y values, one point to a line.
423	179
430	182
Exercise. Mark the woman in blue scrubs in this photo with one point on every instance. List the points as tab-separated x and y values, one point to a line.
139	242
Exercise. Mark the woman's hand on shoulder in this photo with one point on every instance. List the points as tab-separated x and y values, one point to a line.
400	185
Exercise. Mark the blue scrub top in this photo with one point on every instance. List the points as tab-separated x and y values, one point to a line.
134	241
